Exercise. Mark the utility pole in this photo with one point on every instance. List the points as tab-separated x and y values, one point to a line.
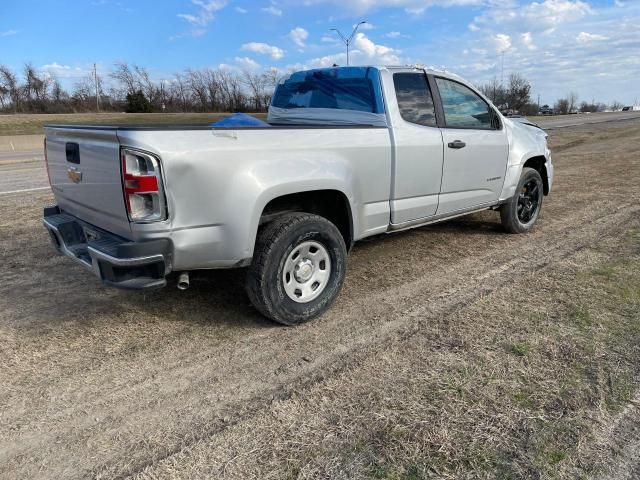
347	40
95	80
538	103
502	70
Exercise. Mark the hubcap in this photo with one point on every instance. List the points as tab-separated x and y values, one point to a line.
528	202
306	271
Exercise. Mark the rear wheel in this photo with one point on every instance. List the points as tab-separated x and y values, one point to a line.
298	268
521	211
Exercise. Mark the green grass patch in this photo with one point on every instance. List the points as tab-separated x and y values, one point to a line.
520	349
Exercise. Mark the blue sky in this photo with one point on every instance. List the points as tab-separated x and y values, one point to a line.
590	47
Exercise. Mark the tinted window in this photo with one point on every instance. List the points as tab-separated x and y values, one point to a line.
347	88
414	98
463	108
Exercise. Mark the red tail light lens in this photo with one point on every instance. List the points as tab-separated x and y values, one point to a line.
143	189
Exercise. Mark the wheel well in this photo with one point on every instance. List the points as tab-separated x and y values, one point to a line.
330	204
537	163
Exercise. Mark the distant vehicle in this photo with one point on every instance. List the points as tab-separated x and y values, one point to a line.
347	153
546	110
631	108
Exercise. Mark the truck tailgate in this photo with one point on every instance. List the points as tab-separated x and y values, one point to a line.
84	170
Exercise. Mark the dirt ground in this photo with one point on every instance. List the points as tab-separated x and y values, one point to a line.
454	351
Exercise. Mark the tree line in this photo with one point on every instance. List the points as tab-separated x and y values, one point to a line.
515	96
131	88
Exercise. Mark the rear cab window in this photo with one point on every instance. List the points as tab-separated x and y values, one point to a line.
346	88
414	98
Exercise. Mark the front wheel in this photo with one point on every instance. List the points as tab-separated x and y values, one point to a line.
298	267
521	211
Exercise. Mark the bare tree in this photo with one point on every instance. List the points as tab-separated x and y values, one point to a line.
257	84
145	84
518	92
213	89
495	92
179	87
616	106
562	106
198	85
125	76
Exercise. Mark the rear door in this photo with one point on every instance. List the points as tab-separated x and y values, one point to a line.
476	149
84	169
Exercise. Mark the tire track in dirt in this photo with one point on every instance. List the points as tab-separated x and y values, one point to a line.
179	394
455	297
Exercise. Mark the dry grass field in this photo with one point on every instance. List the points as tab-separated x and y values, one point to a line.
455	351
26	124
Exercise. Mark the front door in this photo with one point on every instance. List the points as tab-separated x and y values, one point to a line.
476	149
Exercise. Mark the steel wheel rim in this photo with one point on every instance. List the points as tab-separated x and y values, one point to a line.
306	271
528	202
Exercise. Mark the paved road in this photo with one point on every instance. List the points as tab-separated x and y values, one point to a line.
562	121
22	172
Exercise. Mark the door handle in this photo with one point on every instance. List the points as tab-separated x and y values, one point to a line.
457	144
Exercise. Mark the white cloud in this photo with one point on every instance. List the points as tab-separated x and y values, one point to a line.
374	51
241	10
584	37
240	64
501	42
64	71
264	49
365	26
527	40
8	33
298	36
413	7
205	14
272	10
329	39
363	52
246	63
396	35
534	16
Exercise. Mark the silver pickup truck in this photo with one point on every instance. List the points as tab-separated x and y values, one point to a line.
345	153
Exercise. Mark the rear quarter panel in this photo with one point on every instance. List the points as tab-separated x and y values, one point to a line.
219	181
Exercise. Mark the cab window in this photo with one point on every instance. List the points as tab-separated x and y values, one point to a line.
463	108
414	98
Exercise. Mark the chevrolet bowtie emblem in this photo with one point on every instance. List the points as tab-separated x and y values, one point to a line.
74	175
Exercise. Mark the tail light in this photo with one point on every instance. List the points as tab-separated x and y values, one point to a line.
143	188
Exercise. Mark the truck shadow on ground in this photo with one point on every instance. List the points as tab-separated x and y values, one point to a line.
218	298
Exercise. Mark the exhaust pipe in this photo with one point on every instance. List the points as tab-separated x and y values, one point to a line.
183	281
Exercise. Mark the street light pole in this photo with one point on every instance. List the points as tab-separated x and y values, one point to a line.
347	40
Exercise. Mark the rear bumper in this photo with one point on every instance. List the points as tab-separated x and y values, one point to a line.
116	261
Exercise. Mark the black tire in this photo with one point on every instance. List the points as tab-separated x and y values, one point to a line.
521	211
274	250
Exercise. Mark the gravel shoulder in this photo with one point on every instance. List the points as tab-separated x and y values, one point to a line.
106	383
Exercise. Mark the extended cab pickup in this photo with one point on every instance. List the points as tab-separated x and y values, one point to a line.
347	153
